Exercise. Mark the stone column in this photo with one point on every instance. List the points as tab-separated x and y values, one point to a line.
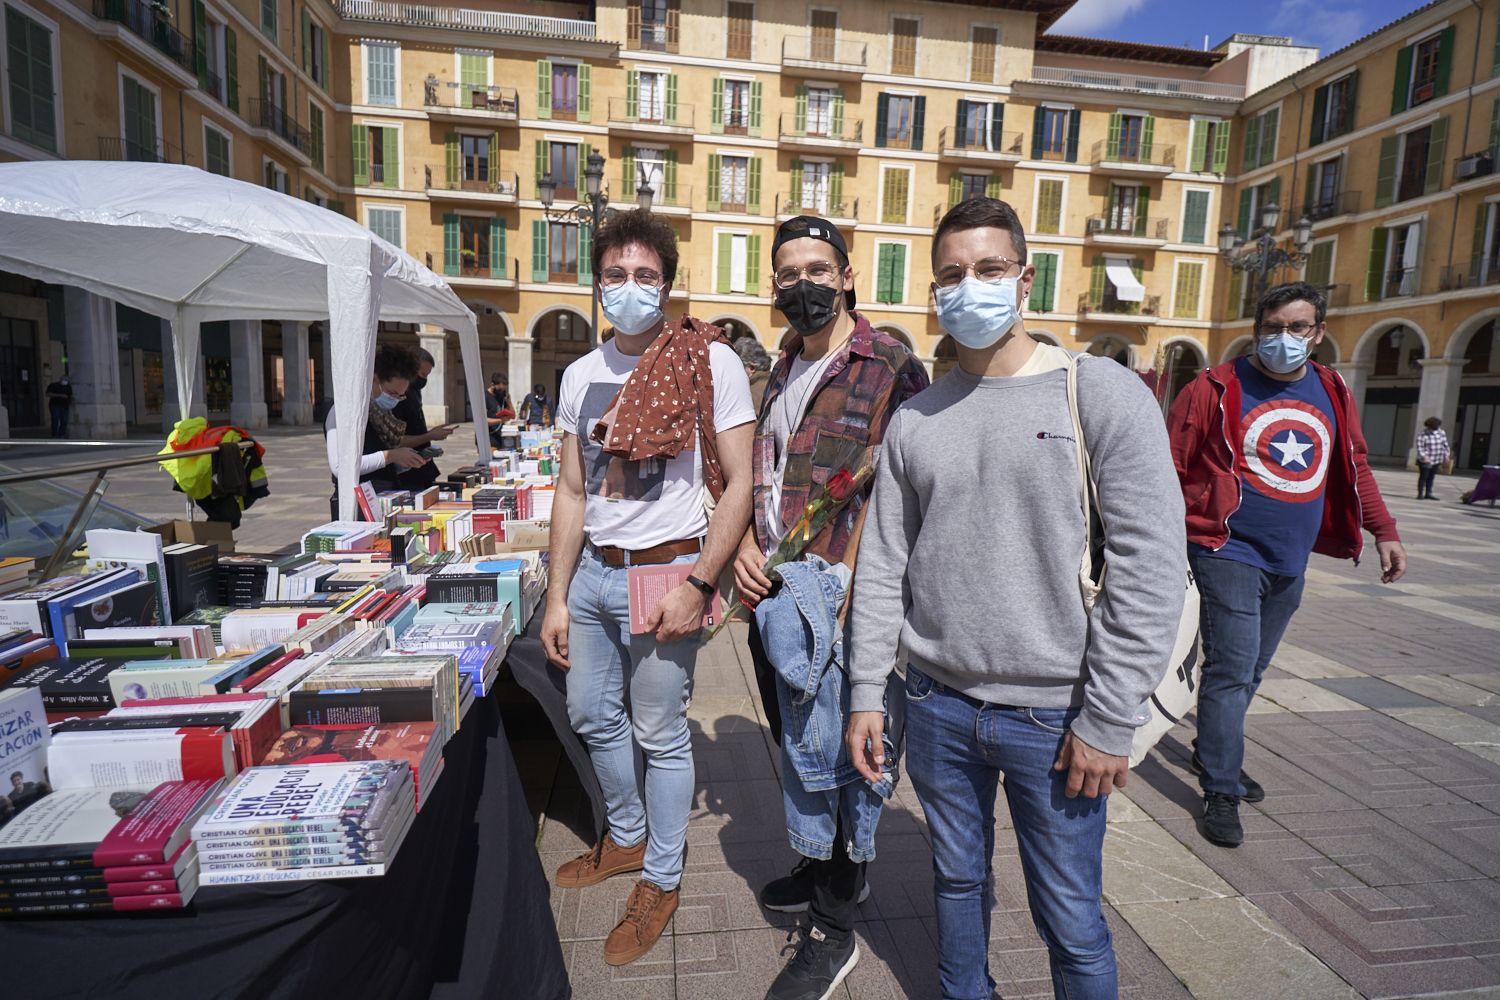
296	407
169	413
1355	374
247	377
1438	395
93	366
518	368
434	340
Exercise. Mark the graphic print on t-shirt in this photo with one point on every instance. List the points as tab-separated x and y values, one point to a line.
1286	448
609	476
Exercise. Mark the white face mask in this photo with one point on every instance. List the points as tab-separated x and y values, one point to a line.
978	313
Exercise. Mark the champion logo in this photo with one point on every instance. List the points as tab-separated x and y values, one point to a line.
1048	436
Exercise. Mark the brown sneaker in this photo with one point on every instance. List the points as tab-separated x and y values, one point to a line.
599	864
646	916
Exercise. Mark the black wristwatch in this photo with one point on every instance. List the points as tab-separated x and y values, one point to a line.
704	588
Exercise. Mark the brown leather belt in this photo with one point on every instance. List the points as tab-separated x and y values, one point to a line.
654	556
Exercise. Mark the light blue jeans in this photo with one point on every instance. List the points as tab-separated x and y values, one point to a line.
606	658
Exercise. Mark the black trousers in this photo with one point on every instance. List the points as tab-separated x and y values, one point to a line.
1426	476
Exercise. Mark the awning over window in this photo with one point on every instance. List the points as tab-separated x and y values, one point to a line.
1127	288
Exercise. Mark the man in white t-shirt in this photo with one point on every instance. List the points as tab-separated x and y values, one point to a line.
634	480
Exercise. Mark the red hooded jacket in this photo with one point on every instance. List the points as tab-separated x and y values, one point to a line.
1205	421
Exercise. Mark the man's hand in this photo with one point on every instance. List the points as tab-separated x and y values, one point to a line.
1392	561
747	575
404	458
867	743
679	614
555	633
1091	772
438	434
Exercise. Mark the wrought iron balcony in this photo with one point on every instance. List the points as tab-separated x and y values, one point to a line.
492	183
1126	226
971	144
650	115
150	22
1344	203
1108	306
112	147
1104	80
421	15
1135	156
466	98
468	266
276	120
821	129
1470	274
796	203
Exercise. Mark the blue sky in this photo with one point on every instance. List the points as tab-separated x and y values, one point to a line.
1326	24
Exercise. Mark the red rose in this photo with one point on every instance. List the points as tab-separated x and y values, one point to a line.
841	485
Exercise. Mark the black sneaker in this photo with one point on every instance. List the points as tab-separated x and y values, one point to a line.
817	968
1253	790
1220	823
793	892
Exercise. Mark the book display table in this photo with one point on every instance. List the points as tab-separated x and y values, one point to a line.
463	913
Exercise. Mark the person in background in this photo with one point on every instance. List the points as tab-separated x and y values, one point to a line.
1432	451
410	410
1273	467
59	399
497	405
536	408
757	368
387	450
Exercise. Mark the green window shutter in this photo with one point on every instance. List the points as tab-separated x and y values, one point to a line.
361	154
585	255
1385	181
315	128
898	273
955	189
671	102
263	73
756	96
1444	62
1038	125
628	179
1096	283
544	88
997	126
1320	115
1436	146
958	123
713	183
1252	143
836	188
472	70
1476	248
669	179
200	43
1273	196
1310	189
1320	265
391	139
1142	210
800	121
1236	301
1113	145
1401	83
918	122
883	273
1198	146
992	186
306	40
497	248
1044	285
726	255
752	186
451	159
327	66
543	162
1351	99
1221	146
1375	264
1268	135
231	70
1075	120
1195	218
450	244
797	176
1185	291
752	265
1242	221
838	113
716	109
882	118
492	157
1148	138
585	89
579	180
539	250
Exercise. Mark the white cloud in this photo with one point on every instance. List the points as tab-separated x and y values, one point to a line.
1326	25
1088	16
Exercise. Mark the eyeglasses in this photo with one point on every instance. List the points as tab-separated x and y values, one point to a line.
1300	329
819	272
988	270
614	277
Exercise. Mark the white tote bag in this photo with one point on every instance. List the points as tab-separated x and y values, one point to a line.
1178	691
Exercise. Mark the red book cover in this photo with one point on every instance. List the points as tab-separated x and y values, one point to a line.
197	699
258	678
491	521
162	901
158	826
408	741
171	869
647	585
155	887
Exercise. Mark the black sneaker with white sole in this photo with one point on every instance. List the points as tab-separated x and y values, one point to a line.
794	891
817	969
1220	822
1254	792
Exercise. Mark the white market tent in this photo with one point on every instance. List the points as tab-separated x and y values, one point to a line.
194	247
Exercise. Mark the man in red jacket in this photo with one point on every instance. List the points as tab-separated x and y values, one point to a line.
1273	467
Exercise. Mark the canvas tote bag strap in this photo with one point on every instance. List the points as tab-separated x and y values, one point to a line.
1088	585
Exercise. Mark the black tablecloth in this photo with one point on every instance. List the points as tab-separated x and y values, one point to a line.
463	913
548	685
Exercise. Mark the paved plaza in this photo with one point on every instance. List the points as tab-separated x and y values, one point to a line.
1369	870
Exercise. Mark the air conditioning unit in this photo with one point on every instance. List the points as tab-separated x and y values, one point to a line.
1476	165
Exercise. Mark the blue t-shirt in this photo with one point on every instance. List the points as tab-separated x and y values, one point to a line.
1287	434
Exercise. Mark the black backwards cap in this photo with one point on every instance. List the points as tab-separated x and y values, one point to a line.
814	228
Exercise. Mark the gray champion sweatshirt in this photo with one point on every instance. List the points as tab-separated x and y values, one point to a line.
969	560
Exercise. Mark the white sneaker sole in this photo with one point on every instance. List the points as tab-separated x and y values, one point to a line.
843	973
864	894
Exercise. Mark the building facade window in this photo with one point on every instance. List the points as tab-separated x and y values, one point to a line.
1209	146
276	177
315	50
316	135
268	13
385	222
31	84
563	168
896	126
1395	256
1044	284
380	72
1318	271
562	243
1054	134
904	45
653	24
983	42
1252	201
895	195
1333	109
735	107
1260	139
1187	289
734	183
1422	70
139	121
740	40
1049	206
216	151
890	273
825	33
1195	216
737	263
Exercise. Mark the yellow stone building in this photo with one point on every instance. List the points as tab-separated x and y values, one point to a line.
433	123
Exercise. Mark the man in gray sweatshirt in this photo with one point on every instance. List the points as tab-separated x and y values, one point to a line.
969	565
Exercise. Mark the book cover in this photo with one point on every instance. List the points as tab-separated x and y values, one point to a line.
255	876
111	548
24	738
159	826
191	576
71	683
360	706
274	800
67	825
138	604
647	585
132	649
59	607
141	758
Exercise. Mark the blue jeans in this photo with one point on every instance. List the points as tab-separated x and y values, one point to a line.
605	658
957	748
1244	613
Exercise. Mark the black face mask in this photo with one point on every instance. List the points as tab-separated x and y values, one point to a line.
808	307
419	384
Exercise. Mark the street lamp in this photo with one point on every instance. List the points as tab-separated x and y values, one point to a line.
1261	254
592	213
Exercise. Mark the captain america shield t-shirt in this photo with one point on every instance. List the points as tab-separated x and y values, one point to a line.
1286	440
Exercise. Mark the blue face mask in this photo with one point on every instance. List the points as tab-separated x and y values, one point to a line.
630	308
386	401
1283	353
978	313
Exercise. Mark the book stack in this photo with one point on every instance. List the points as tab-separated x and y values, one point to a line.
409	741
71	685
24	738
253	720
478	645
142	751
336	536
192	576
112	549
306	821
91	850
20	648
376	689
245	581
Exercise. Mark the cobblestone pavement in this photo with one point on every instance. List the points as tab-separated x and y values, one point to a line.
1369	870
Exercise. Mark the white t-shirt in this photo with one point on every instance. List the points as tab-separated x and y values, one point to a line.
635	505
785	417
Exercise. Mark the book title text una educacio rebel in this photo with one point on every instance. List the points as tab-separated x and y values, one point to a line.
287	797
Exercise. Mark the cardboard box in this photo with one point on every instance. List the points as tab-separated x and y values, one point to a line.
201	532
